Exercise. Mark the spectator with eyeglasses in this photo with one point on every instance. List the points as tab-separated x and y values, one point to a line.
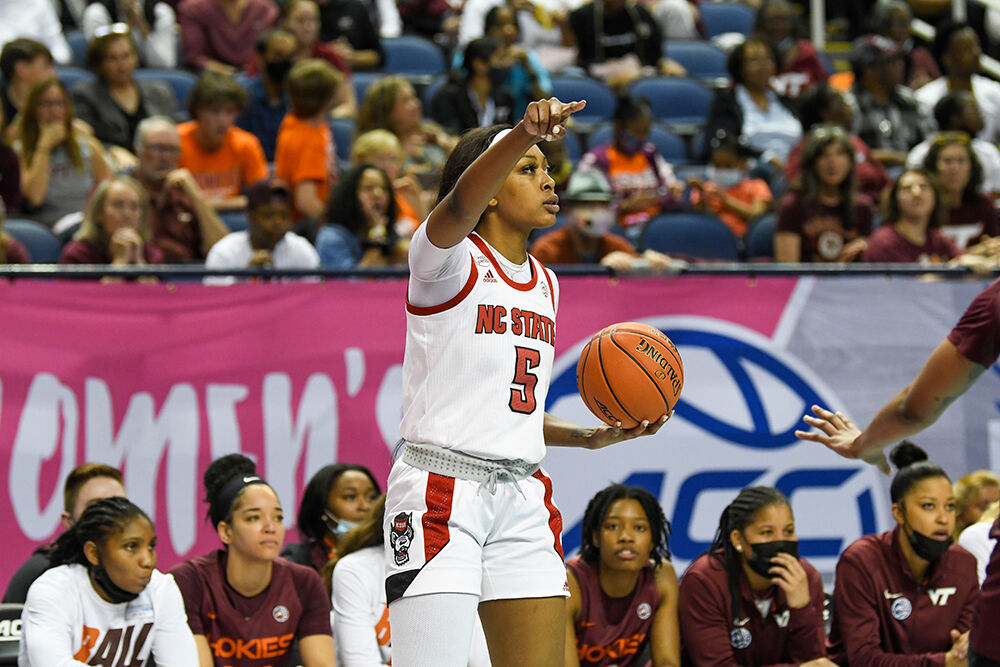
116	102
152	25
59	164
183	223
971	216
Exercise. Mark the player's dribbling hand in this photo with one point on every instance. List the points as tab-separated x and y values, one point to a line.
839	433
608	435
544	119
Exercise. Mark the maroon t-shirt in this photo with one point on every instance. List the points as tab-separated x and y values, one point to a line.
820	227
869	174
610	631
977	334
888	245
782	636
985	635
883	617
257	631
85	252
973	220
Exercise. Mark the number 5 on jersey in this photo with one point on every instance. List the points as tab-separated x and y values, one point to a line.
522	394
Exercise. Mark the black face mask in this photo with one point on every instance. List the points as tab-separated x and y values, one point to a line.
278	70
499	75
763	552
115	594
927	547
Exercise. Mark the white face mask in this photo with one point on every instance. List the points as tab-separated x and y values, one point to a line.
595	221
338	526
725	178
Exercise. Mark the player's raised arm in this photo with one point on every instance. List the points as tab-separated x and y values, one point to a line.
458	213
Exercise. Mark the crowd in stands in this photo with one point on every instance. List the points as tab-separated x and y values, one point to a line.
320	96
750	599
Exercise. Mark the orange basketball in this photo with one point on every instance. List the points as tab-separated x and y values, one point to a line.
628	373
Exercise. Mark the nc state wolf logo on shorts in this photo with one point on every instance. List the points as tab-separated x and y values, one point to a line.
401	537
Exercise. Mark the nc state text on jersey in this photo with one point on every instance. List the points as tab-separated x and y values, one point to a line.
494	319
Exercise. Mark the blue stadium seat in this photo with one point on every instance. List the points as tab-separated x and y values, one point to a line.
70	76
40	243
343	137
600	100
10	641
702	60
236	221
760	237
723	17
692	234
180	81
670	146
574	150
361	81
78	46
680	103
412	55
431	90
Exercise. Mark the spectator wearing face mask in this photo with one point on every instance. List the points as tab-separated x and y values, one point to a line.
267	100
588	239
728	191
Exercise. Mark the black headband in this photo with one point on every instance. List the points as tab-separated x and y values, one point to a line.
222	503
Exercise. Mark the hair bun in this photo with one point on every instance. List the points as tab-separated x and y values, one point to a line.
223	469
906	453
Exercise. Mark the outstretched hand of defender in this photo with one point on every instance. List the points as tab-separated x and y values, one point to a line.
839	434
605	435
544	119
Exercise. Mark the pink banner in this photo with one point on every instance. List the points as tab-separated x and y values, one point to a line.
160	379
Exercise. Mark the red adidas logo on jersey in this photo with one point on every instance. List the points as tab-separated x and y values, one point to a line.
489	278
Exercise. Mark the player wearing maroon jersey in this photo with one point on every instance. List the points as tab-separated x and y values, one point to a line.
749	600
245	605
622	608
905	597
954	365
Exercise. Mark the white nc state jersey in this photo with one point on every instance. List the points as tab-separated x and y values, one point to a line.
477	368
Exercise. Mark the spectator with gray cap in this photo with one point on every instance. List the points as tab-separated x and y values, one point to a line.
587	237
887	116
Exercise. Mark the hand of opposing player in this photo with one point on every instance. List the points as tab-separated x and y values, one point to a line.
605	435
839	433
544	119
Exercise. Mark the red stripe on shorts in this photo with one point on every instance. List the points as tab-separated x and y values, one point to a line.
438	497
555	518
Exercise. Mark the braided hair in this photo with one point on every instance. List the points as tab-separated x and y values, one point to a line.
102	519
737	516
598	508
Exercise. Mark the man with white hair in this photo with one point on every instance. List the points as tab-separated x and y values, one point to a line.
184	224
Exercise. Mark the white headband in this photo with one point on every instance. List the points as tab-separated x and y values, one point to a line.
500	135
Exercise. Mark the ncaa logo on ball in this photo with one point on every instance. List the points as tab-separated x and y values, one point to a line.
740	638
644	611
733	427
280	613
901	609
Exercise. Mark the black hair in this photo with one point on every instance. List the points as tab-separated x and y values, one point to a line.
19	50
492	17
881	12
737	516
950	106
734	62
944	32
597	510
310	517
101	519
629	108
913	467
472	144
814	102
148	10
758	23
343	208
220	471
479	49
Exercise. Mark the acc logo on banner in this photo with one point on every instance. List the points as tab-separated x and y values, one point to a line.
733	427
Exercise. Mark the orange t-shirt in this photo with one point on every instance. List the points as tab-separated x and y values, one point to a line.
305	153
222	174
747	191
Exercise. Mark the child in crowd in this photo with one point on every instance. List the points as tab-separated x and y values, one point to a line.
622	609
728	191
222	158
305	158
268	241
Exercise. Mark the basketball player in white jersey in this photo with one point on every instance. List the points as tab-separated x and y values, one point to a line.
470	521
